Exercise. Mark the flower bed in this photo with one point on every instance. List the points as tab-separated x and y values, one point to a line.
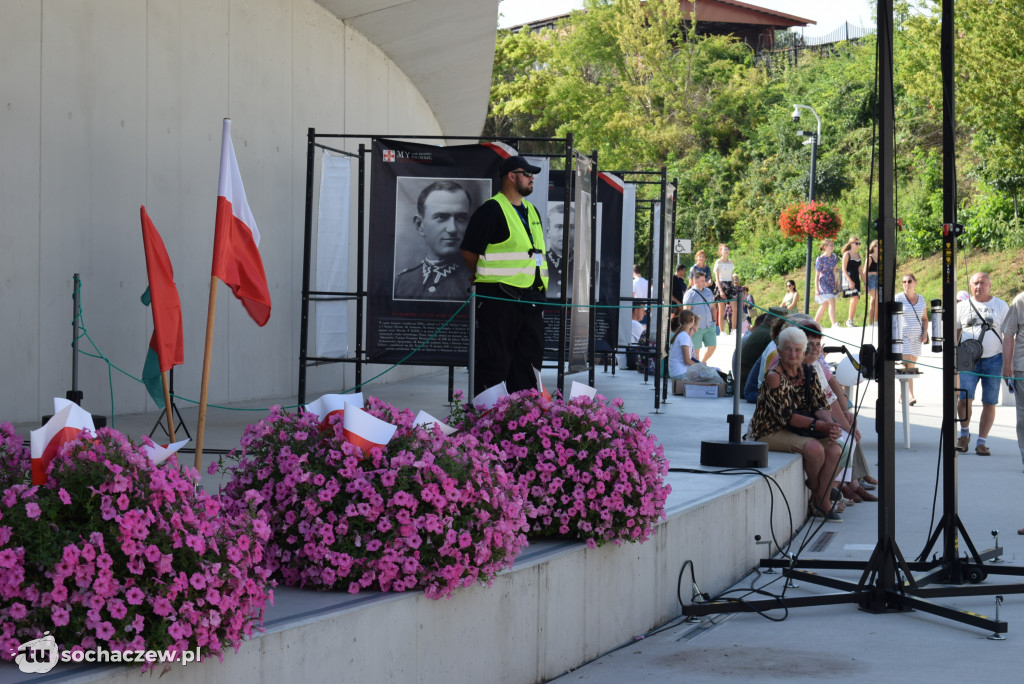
590	470
115	552
425	511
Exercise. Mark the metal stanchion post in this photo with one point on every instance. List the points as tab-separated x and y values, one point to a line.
472	340
735	453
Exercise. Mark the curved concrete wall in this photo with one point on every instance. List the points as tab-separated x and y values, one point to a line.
110	105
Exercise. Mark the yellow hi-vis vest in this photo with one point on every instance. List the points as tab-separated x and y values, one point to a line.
510	262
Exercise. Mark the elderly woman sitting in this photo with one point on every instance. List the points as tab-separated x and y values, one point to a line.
790	402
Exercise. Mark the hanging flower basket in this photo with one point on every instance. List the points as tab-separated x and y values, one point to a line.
810	220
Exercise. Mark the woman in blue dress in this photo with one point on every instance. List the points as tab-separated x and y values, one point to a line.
827	288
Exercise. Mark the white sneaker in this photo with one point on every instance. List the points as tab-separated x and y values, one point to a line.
850	323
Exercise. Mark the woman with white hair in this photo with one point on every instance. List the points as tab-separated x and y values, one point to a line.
792	415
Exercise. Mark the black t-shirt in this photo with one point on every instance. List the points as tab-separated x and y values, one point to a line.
678	287
487	226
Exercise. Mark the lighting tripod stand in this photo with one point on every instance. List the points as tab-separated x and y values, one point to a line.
887	582
174	409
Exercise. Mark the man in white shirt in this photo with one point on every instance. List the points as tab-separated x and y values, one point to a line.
1013	360
641	290
980	317
699	298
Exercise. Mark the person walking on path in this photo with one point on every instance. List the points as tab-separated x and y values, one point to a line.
1013	362
699	299
980	317
826	287
915	327
871	278
724	289
851	275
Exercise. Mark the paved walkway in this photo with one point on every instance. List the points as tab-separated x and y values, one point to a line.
841	642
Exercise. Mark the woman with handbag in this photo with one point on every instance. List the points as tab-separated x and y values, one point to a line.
792	416
915	328
851	277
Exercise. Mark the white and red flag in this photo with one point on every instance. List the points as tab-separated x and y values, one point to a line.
428	421
236	254
332	405
366	431
158	453
580	390
68	420
490	396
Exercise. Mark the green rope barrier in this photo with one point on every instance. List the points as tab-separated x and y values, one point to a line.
111	366
406	357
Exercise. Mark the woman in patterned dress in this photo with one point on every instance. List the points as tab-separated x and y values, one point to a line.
790	397
827	288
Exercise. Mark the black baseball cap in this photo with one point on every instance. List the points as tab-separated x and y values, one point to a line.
516	163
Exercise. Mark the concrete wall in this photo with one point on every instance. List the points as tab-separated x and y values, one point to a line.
110	105
560	606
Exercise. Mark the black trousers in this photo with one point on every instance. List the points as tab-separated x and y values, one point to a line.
509	340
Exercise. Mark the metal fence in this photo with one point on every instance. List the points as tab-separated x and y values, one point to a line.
789	46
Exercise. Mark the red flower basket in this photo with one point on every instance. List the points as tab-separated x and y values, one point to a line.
810	220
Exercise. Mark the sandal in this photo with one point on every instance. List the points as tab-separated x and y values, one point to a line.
831	516
851	493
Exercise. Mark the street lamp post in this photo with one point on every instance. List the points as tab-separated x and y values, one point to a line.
813	139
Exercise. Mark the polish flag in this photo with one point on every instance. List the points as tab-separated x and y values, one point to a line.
366	431
236	255
159	453
428	421
540	385
580	390
68	420
333	405
490	396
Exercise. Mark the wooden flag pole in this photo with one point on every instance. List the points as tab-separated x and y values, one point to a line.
167	406
200	431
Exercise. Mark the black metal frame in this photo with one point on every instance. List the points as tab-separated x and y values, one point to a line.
655	253
887	583
359	295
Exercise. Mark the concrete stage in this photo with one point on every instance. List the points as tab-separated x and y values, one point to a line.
563	605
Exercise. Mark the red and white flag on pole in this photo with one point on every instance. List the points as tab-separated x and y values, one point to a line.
68	420
366	431
236	254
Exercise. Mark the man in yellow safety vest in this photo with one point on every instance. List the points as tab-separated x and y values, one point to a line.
504	250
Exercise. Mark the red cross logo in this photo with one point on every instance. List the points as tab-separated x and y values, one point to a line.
389	155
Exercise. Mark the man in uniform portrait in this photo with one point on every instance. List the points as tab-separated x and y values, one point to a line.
558	263
443	209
